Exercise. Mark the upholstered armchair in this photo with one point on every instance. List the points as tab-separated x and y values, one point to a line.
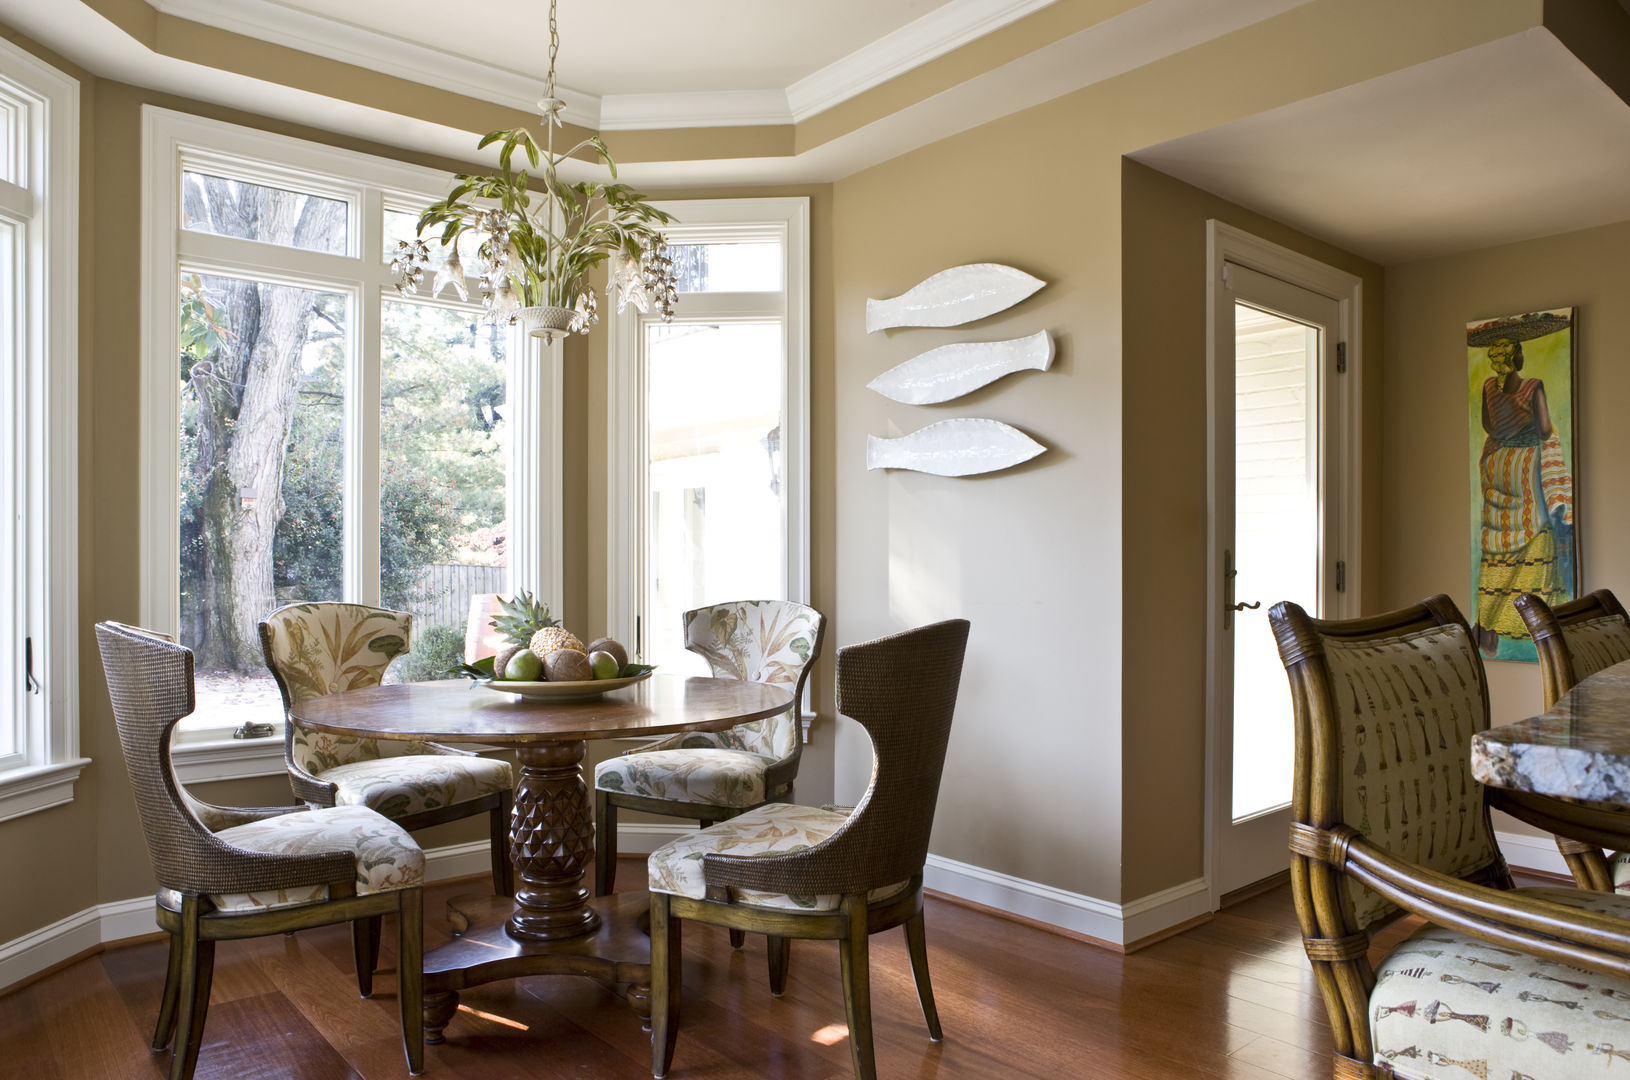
709	776
1576	640
226	873
792	871
324	648
1386	818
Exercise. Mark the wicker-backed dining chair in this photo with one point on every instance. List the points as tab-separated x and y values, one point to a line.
1386	818
227	873
323	648
1576	640
709	776
792	871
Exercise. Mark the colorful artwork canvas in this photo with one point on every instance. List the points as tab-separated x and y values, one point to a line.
1520	413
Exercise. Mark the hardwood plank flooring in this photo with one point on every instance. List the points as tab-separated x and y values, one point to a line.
1231	999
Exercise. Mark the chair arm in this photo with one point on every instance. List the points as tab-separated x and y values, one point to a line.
1538	927
225	868
308	787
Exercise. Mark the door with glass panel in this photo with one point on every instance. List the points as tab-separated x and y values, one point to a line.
1275	494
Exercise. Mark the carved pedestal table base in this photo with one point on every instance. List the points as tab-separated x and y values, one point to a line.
553	926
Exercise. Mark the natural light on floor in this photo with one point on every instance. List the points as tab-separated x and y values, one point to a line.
830	1035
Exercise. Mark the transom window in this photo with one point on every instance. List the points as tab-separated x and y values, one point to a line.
311	433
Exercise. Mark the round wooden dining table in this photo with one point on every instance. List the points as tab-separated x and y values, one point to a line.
553	926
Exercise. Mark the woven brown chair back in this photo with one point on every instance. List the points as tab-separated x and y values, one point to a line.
1385	709
902	689
1575	640
150	684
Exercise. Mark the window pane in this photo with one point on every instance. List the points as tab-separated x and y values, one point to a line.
262	384
749	267
212	204
715	522
12	603
443	447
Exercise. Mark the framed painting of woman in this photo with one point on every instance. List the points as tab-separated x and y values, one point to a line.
1521	442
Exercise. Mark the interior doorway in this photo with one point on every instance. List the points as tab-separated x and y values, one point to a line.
1282	354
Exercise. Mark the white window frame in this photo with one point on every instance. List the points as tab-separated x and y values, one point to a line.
175	141
42	107
700	221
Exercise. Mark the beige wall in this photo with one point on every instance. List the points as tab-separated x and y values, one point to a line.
1427	490
1163	304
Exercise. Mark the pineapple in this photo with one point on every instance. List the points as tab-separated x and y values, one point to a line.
550	638
521	618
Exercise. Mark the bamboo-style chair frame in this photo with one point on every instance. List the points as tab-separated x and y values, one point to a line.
902	689
318	792
779	777
150	683
1327	852
1558	674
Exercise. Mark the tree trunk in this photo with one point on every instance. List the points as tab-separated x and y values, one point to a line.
246	401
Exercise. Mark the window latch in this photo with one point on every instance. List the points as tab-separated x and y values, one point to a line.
31	682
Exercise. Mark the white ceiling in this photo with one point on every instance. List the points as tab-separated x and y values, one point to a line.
1508	141
680	46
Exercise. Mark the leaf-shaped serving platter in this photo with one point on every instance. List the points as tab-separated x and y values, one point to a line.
953	297
580	690
960	447
953	370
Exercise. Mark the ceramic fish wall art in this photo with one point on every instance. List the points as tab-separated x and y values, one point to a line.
953	370
959	447
953	297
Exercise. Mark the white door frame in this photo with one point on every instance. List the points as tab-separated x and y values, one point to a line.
1227	244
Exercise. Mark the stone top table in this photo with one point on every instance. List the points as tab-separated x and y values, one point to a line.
552	926
1579	750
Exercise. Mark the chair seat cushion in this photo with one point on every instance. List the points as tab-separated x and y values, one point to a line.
707	776
387	858
1619	864
676	867
406	784
1447	1006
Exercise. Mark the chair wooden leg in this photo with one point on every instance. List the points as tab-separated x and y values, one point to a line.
779	950
503	867
855	964
738	938
605	844
665	984
917	945
164	1030
197	973
410	975
365	951
1587	864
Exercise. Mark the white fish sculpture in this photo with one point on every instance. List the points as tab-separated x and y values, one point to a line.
953	297
959	447
953	370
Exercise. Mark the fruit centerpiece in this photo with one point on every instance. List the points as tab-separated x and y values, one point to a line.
544	659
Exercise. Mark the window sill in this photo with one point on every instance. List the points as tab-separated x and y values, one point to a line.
227	759
39	787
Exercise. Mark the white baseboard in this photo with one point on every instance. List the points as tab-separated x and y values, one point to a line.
1117	924
1532	853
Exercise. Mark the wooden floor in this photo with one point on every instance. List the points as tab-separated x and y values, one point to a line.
1229	999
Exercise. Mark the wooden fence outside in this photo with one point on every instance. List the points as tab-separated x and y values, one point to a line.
444	592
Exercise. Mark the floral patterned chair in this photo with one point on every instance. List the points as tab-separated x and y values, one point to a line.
1575	640
226	873
793	871
323	648
1386	818
709	776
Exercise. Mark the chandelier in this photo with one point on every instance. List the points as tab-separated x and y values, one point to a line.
536	242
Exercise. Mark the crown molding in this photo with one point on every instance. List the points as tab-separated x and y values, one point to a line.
334	39
947	27
933	35
726	108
